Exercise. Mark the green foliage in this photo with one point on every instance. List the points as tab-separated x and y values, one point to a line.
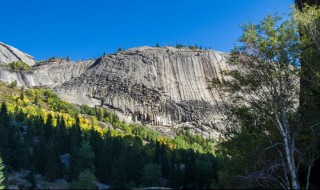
56	104
115	157
151	174
179	46
196	142
85	156
262	94
19	65
14	84
203	175
52	168
193	47
85	181
308	21
100	113
85	109
36	99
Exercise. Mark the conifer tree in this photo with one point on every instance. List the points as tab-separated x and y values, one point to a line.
40	157
7	134
48	128
36	99
62	135
100	113
52	168
4	113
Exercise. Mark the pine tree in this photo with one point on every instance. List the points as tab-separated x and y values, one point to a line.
100	113
4	112
150	175
52	168
62	135
7	135
36	99
75	134
14	84
39	156
85	181
22	95
85	156
48	128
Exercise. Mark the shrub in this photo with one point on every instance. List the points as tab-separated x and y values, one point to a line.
85	109
14	84
19	65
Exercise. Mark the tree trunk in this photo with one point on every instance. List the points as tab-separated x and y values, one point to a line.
291	164
309	98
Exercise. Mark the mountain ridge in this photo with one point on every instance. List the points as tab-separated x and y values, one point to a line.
160	86
10	54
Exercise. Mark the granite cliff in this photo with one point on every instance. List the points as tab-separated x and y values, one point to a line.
165	87
10	54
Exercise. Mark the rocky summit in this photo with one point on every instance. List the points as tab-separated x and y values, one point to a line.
164	87
10	54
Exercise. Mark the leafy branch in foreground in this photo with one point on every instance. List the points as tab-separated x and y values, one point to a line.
263	89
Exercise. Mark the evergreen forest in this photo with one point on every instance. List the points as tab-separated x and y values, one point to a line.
270	108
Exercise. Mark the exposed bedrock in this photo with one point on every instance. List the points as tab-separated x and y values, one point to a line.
10	54
162	86
49	74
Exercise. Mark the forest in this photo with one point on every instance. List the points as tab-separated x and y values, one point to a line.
270	108
37	128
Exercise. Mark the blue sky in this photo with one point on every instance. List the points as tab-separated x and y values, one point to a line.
84	29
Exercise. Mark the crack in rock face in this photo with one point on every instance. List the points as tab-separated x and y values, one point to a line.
9	54
160	86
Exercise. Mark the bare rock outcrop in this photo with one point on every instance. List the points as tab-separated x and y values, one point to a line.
160	86
10	54
47	74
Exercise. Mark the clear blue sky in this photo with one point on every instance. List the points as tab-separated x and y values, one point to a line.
87	28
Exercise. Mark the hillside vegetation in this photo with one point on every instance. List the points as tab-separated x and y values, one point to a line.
37	128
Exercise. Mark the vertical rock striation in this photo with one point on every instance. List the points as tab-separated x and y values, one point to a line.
163	87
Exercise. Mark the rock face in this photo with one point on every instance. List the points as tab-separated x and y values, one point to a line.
10	54
160	86
48	74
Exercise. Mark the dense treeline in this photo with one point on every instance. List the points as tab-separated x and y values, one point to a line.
62	143
271	134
